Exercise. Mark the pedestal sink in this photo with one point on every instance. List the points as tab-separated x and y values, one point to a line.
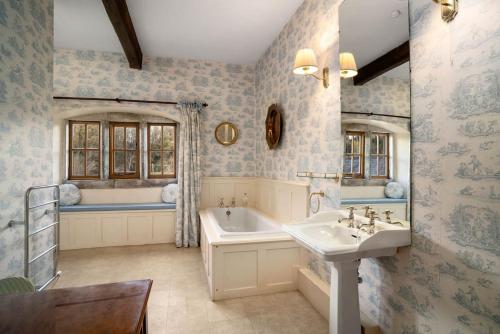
343	248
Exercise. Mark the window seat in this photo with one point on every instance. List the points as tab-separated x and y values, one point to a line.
117	207
347	201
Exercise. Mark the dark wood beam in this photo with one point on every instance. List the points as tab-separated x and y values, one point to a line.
379	66
120	19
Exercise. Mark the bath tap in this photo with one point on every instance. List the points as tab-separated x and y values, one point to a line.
371	225
233	202
350	219
221	203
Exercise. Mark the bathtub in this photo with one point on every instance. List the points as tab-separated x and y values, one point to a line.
242	222
246	253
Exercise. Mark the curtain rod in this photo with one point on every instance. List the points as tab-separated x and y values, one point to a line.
115	100
372	114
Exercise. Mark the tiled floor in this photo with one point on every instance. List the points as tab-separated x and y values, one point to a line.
179	302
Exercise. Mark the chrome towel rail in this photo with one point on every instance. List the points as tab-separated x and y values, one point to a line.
29	234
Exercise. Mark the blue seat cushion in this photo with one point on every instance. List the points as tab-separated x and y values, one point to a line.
116	207
349	201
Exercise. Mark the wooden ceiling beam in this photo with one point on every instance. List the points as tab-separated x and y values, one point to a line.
122	23
387	62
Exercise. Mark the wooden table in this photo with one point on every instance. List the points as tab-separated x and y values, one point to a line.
106	308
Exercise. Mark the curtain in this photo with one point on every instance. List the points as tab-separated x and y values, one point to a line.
188	198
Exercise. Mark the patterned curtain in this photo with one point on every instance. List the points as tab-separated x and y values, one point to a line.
188	200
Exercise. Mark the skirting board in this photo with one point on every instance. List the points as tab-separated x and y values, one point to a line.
317	292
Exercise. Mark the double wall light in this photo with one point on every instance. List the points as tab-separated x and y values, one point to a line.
306	64
449	9
348	68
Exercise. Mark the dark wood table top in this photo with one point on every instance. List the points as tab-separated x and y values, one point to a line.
105	308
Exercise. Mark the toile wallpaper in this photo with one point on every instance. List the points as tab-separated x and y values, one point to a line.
382	95
228	89
25	126
447	281
311	137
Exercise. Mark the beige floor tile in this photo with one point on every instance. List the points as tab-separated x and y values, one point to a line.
179	301
240	326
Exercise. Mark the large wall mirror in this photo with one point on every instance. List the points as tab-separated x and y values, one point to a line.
375	105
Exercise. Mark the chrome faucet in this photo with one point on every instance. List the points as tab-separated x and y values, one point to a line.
350	219
221	203
388	218
370	229
367	211
233	202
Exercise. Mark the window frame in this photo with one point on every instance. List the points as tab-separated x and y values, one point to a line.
361	154
85	149
112	150
386	154
149	150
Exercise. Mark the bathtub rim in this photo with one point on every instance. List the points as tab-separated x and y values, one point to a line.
225	234
214	238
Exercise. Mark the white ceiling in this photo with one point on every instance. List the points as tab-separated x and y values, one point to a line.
231	31
368	30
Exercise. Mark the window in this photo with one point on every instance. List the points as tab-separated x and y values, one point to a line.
354	154
124	151
379	155
84	150
161	150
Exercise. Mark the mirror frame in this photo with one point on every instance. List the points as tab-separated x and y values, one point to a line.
233	140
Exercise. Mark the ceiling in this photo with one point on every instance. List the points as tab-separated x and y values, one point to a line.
368	30
231	31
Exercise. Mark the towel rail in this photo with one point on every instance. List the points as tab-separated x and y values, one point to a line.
29	234
42	254
43	204
43	229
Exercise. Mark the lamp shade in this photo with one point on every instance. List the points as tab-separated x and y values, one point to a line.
305	62
348	68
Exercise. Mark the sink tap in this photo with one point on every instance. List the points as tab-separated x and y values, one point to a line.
367	211
233	202
370	229
350	219
221	203
388	218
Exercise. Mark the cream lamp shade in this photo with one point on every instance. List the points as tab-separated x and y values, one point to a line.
348	68
305	62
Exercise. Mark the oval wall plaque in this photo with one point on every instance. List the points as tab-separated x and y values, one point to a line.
273	126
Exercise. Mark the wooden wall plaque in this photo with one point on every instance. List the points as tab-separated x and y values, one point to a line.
274	124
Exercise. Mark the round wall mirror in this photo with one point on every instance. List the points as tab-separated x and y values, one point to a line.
226	133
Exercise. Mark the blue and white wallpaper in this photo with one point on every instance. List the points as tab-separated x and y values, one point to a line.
311	114
25	121
448	281
382	95
228	89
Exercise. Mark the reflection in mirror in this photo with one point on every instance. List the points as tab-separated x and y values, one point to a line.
375	105
226	133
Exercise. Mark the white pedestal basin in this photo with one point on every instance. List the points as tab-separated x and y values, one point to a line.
343	247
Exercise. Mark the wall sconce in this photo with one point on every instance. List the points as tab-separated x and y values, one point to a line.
449	9
306	64
348	68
